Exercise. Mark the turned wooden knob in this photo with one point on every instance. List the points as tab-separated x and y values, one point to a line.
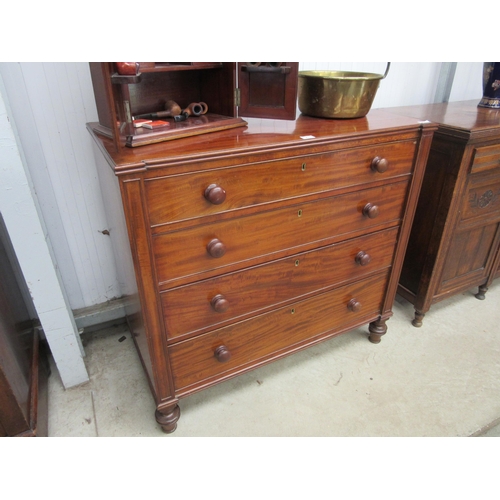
370	211
219	303
215	194
379	164
353	305
216	248
222	354
362	258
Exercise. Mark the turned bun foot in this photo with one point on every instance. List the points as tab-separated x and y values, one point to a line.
481	291
417	321
377	329
168	418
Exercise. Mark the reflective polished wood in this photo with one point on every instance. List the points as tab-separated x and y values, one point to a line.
255	242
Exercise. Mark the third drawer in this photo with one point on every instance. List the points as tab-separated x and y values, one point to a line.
213	302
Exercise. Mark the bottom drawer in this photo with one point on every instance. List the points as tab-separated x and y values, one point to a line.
203	360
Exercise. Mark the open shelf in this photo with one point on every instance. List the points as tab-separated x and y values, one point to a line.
125	91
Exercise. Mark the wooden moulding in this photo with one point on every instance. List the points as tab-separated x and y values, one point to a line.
40	372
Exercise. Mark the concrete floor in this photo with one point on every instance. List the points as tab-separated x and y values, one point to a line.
439	380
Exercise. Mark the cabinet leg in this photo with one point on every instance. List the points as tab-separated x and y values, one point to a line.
377	329
419	316
480	294
167	418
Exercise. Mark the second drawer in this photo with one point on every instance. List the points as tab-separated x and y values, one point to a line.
233	244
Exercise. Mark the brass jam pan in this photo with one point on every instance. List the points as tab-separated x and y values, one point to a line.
337	94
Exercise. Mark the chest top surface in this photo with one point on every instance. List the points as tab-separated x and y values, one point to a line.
260	135
461	116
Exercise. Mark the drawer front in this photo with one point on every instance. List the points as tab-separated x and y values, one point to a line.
182	197
486	158
236	241
483	196
273	333
212	302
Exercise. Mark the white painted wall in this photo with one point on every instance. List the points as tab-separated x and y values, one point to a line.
28	234
468	83
412	83
51	102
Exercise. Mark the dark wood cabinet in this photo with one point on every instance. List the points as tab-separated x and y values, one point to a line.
455	240
251	243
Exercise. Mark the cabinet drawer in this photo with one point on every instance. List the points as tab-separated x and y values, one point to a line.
182	197
486	158
212	302
269	335
483	196
226	243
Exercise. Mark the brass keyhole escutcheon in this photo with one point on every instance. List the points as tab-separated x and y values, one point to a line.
296	262
292	310
303	167
299	213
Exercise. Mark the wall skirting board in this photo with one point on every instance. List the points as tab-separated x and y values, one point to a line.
101	315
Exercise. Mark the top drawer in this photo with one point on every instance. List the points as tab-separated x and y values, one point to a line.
482	199
187	196
486	158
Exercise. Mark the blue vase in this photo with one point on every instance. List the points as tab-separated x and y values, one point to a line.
491	86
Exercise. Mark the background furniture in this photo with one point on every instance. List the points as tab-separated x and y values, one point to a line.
23	365
455	240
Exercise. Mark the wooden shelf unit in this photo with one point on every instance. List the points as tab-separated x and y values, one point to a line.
265	91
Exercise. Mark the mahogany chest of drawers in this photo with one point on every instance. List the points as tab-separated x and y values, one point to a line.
249	244
455	240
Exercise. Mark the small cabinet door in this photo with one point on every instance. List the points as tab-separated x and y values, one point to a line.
268	90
